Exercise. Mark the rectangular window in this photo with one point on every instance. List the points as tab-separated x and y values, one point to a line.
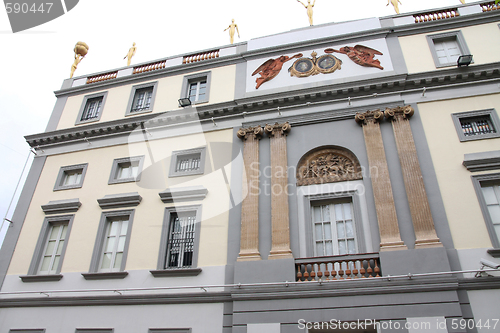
333	228
91	109
113	237
126	169
197	91
180	237
181	240
142	98
447	47
196	87
53	249
114	244
70	177
51	245
491	195
487	188
477	125
187	162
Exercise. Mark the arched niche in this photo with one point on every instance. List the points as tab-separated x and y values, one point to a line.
328	164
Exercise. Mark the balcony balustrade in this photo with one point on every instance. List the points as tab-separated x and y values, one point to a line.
436	15
344	267
489	6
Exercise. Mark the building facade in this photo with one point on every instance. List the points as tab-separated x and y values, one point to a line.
336	178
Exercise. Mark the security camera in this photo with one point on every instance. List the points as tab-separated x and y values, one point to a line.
489	264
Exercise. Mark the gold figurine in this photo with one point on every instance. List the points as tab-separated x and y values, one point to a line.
130	54
462	1
80	50
231	28
309	8
394	4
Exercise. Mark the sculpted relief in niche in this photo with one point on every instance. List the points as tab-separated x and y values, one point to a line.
328	165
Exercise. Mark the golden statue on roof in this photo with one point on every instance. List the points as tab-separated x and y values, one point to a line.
130	54
81	49
462	1
231	28
309	8
394	4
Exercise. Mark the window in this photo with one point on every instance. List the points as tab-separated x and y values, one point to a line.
114	244
91	109
51	246
40	330
333	228
113	237
196	87
70	177
94	330
126	170
187	162
142	98
331	219
476	125
180	237
447	47
197	91
488	191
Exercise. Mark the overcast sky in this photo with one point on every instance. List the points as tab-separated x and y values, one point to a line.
35	62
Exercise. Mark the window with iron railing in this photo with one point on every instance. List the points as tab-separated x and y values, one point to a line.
477	126
188	163
92	109
181	240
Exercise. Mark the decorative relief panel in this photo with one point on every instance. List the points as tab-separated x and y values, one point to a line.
328	165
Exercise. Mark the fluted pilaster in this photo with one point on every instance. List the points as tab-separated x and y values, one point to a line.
249	242
390	238
421	216
279	195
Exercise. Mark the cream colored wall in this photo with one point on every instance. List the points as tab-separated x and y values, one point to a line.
483	42
167	96
466	221
149	214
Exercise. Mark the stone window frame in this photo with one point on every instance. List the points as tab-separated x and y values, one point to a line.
106	217
477	113
478	182
165	234
188	79
464	50
131	100
116	164
33	270
352	196
63	170
180	153
86	98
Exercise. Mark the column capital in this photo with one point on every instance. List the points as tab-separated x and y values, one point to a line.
369	117
283	129
404	112
245	133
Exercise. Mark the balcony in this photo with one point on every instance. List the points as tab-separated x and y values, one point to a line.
336	268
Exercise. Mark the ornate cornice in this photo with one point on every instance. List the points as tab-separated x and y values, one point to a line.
282	129
369	117
401	112
245	133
